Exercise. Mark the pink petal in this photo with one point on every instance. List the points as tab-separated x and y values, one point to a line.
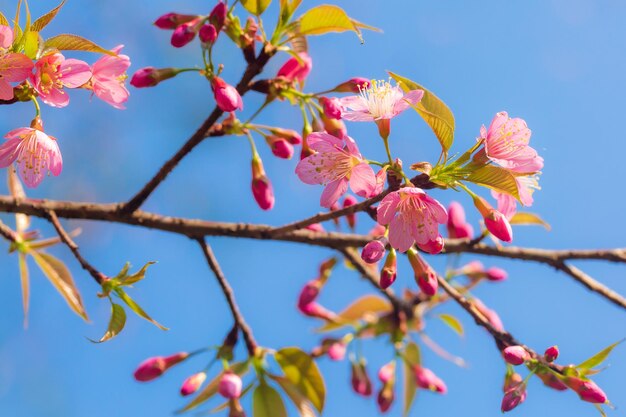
6	37
411	97
400	234
111	92
355	103
387	208
363	180
15	67
8	152
333	191
352	147
110	67
320	141
56	98
6	90
74	73
357	116
308	170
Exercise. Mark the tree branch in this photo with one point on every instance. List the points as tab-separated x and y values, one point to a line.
7	233
252	70
230	296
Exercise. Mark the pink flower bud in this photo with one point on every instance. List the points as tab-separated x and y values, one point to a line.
385	398
218	15
337	351
280	147
332	107
425	276
513	397
334	127
457	227
496	274
315	227
316	310
432	246
173	20
230	385
184	33
350	218
426	379
291	135
374	250
296	70
361	383
353	85
587	390
515	355
387	373
226	96
150	76
551	353
192	383
261	186
389	271
474	270
154	367
207	34
309	293
511	381
496	222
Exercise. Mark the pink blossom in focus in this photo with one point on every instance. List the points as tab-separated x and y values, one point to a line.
192	383
457	227
336	164
506	144
332	107
230	385
296	70
53	72
35	152
109	76
426	379
380	100
412	216
14	68
226	96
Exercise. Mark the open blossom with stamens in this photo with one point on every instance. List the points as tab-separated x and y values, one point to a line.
14	68
109	75
380	100
53	72
506	144
413	217
336	164
35	152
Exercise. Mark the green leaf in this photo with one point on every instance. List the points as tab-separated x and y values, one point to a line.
410	358
31	44
287	8
496	178
127	280
255	6
60	277
44	20
453	323
266	402
116	323
25	285
433	110
68	42
210	389
302	371
3	20
328	18
598	358
136	308
524	218
299	400
369	304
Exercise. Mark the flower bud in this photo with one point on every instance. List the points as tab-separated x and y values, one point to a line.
353	85
332	107
316	310
513	397
496	274
587	390
473	270
334	127
337	351
185	33
261	186
218	15
389	271
309	293
515	355
350	218
496	222
385	398
207	34
173	20
230	385
432	246
387	373
226	96
425	276
511	380
192	383
550	380
280	147
150	76
291	135
361	383
551	353
154	367
457	227
374	250
296	70
426	379
315	227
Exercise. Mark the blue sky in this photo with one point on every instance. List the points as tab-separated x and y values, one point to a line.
559	64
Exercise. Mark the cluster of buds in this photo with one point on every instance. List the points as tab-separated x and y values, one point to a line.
307	300
186	27
386	395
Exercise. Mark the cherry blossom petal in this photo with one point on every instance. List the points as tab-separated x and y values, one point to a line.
333	191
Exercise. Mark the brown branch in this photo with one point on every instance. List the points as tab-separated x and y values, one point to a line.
7	233
252	70
251	344
592	284
65	238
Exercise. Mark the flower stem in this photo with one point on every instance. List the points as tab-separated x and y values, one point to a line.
37	108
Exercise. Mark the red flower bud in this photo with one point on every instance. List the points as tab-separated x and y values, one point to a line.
291	135
218	15
185	33
226	96
374	250
515	355
230	385
350	218
389	271
150	76
495	274
387	373
361	383
173	20
296	70
207	34
353	85
496	222
457	227
432	246
425	276
332	107
337	351
587	390
426	379
513	397
385	398
551	353
261	186
154	367
192	383
280	147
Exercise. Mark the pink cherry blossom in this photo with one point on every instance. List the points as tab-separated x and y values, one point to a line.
506	144
336	164
412	216
296	70
380	100
53	72
109	75
35	152
13	68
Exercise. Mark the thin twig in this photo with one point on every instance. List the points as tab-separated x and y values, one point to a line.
230	296
97	275
7	232
592	284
